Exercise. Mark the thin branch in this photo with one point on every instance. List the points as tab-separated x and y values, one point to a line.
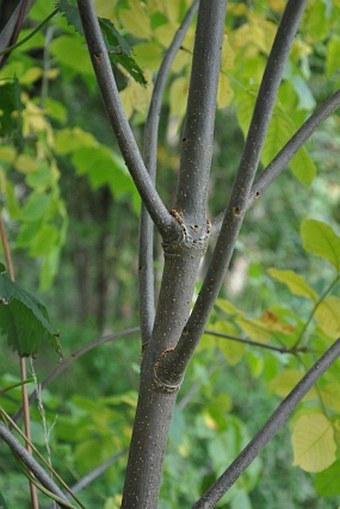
97	472
126	140
60	368
197	141
146	271
247	341
266	433
22	365
30	462
176	360
280	161
29	36
278	164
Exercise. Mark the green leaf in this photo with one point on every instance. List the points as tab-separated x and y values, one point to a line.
69	10
119	50
313	442
333	56
23	319
296	283
3	504
303	167
320	239
36	207
327	482
10	103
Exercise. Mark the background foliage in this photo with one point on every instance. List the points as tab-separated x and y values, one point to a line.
71	215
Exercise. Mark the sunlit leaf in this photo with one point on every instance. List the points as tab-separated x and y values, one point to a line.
135	20
285	381
327	316
320	239
313	442
296	283
333	56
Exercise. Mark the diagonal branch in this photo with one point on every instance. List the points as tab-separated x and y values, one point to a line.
126	140
24	456
277	165
266	433
175	362
68	361
145	265
280	161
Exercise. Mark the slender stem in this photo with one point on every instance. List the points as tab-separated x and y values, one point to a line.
22	365
280	161
146	271
197	141
315	307
29	36
68	361
265	434
29	461
176	361
126	140
277	165
247	341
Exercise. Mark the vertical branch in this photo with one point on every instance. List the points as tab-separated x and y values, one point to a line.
175	362
23	371
146	273
197	141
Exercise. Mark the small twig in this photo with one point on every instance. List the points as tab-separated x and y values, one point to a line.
265	434
29	36
41	457
251	342
23	371
30	462
60	368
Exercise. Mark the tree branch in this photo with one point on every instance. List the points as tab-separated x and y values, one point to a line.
73	357
280	161
251	342
31	463
260	440
126	140
277	165
197	141
175	362
146	273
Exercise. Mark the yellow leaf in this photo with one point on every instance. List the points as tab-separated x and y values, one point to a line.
284	382
135	20
148	54
225	93
165	33
7	154
295	283
26	163
277	5
228	54
330	395
313	442
226	306
178	96
255	329
327	316
136	97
